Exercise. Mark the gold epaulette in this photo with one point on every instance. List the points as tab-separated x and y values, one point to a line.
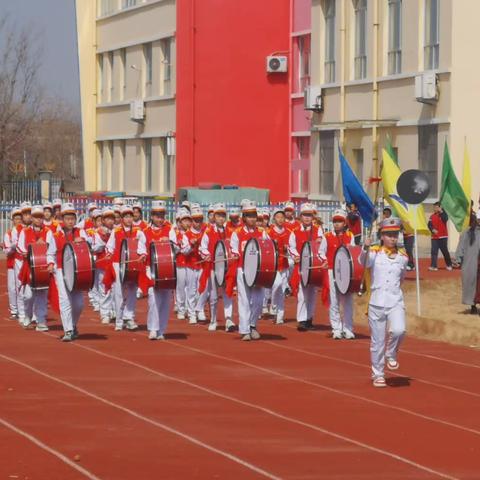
375	248
403	252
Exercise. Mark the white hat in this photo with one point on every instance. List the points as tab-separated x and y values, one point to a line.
219	208
37	210
158	206
47	205
392	224
307	208
278	209
126	209
57	202
243	202
249	206
107	211
26	207
16	211
186	204
91	206
211	208
183	213
118	201
96	213
266	212
339	214
137	205
289	206
117	208
68	208
196	212
235	211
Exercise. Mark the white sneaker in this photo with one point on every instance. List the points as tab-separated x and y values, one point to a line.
131	325
41	327
279	319
379	382
254	333
212	327
272	311
449	269
348	334
160	337
246	337
96	308
26	322
433	269
201	316
180	316
392	364
153	335
105	320
229	325
337	334
192	321
118	328
265	311
409	268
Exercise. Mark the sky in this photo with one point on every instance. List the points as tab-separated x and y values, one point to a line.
55	22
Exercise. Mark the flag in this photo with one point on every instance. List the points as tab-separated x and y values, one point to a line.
453	198
390	150
467	183
411	215
354	192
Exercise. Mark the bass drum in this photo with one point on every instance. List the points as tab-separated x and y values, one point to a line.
222	261
130	262
260	262
162	265
347	270
78	266
37	260
311	267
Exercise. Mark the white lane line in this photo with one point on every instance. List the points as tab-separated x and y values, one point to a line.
351	362
150	421
50	450
330	389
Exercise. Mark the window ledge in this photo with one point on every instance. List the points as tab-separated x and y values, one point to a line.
121	11
323	197
297	95
299	195
122	103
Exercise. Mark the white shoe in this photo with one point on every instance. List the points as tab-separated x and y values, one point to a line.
96	308
265	311
131	325
180	316
337	334
105	320
348	334
409	268
201	316
433	269
153	335
192	321
160	337
246	337
392	364
41	327
279	319
379	382
118	328
229	325
449	269
254	333
272	311
212	327
26	322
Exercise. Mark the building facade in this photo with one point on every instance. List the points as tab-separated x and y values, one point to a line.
398	69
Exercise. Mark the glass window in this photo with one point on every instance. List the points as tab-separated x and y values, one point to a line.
123	153
432	34
166	65
107	7
394	36
147	152
327	140
428	155
303	62
128	3
358	165
329	13
123	56
147	50
360	39
111	67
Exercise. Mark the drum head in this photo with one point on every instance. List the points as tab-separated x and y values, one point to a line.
69	267
153	261
31	263
342	269
220	265
124	256
251	262
305	263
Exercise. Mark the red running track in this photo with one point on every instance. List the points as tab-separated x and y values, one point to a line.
204	405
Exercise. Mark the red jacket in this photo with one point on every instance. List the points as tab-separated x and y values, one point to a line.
61	238
438	222
120	233
302	236
354	223
281	240
243	237
293	225
334	242
154	234
193	258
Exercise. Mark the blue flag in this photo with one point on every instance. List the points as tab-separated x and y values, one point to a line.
354	192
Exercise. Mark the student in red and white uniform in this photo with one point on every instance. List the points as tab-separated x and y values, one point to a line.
291	223
194	262
117	212
234	220
138	220
340	235
104	265
26	209
57	210
71	303
281	236
48	220
9	251
184	222
211	236
88	222
96	220
249	299
307	296
159	300
354	223
35	300
210	214
124	296
438	227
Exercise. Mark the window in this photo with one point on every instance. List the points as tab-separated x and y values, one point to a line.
107	7
432	34
128	3
358	165
147	152
329	13
123	153
360	39
112	73
428	155
168	146
147	51
100	78
326	162
166	65
394	36
303	62
104	167
73	166
123	57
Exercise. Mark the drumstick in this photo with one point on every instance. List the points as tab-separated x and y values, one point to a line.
318	266
214	261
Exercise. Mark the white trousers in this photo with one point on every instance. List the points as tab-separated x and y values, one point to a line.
339	301
227	306
71	304
20	290
159	303
124	297
104	298
250	301
193	278
379	319
181	290
306	302
267	295
12	291
36	302
278	292
93	296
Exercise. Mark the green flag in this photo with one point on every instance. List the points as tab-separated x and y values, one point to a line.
390	150
453	198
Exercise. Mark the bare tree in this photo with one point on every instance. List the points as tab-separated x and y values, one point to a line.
20	92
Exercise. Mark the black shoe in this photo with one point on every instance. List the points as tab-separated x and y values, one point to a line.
302	326
473	310
309	324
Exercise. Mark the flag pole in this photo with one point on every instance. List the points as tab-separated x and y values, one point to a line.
417	273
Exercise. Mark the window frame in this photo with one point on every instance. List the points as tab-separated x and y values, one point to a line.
395	37
326	148
431	49
148	164
360	9
329	13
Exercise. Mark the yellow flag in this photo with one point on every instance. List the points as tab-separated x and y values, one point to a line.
410	215
467	182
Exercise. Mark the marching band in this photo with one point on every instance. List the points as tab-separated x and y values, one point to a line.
116	256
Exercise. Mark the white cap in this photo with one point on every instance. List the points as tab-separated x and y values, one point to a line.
196	211
68	208
47	205
117	208
186	204
340	214
307	208
106	211
266	212
37	210
249	206
126	209
96	213
183	213
57	202
211	208
243	202
158	206
289	206
235	211
118	201
26	206
278	209
219	208
91	206
137	205
16	211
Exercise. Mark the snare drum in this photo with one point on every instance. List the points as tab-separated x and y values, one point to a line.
260	262
222	261
347	270
311	267
131	264
162	265
78	266
37	260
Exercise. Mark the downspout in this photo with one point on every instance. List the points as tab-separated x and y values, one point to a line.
193	92
376	26
343	59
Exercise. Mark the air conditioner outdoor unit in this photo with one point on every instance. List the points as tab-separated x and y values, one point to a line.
276	64
137	110
312	98
426	90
